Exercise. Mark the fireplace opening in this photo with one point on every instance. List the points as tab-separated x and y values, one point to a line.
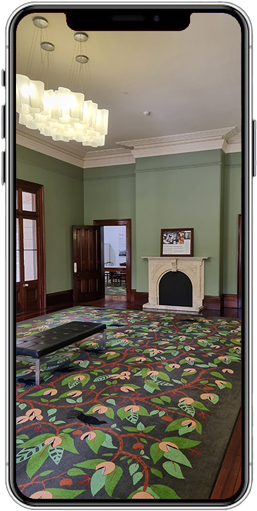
176	289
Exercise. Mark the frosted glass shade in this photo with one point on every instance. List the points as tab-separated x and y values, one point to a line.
60	114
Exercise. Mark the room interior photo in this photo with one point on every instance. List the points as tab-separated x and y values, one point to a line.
128	261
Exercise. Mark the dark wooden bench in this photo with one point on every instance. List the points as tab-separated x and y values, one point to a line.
34	347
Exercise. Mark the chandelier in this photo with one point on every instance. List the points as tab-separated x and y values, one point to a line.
61	114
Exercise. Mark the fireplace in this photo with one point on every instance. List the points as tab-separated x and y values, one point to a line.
175	284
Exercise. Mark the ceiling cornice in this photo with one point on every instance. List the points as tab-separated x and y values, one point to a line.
47	148
107	158
226	139
221	138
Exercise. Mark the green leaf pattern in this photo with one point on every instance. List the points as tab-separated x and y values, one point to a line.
138	404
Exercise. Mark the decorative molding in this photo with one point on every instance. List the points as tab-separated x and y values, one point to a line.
222	138
42	146
226	139
108	158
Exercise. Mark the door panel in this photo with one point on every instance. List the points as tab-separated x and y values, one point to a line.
30	265
88	274
31	296
30	249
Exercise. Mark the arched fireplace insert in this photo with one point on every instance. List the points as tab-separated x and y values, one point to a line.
175	288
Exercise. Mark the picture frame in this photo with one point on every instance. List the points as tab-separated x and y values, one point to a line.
177	242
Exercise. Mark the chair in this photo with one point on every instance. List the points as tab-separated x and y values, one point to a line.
123	275
107	274
116	278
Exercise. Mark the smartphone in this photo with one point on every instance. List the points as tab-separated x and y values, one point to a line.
128	174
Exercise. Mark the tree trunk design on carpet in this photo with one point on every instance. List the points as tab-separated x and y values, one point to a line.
155	411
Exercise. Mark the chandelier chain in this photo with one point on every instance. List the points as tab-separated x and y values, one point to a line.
63	114
32	51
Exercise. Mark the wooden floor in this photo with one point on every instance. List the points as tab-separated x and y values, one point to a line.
229	478
230	475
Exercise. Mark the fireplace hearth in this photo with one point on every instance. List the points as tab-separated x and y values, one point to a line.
175	284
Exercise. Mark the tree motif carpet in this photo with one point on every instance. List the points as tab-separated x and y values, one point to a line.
150	418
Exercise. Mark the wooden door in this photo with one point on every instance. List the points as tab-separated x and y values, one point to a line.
30	260
88	264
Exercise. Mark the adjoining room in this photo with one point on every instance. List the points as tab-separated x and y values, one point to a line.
115	260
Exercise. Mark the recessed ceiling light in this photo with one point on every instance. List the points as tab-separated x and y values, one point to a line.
81	37
40	22
47	46
146	112
82	59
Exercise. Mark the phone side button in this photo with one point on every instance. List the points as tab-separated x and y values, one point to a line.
3	122
3	167
254	148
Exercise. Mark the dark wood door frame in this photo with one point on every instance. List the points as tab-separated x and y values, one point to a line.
39	215
127	223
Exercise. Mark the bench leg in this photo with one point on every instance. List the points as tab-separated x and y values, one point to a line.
36	361
37	372
104	340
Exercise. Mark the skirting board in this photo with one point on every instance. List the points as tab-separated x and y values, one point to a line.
59	298
209	303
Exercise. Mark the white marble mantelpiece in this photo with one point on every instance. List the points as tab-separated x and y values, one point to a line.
193	267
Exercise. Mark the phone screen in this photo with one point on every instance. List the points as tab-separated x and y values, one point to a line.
129	242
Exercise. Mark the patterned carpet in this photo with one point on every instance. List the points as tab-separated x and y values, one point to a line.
115	290
155	411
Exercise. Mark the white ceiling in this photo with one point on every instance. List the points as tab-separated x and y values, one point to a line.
189	81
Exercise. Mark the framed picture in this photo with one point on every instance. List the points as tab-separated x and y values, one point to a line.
177	242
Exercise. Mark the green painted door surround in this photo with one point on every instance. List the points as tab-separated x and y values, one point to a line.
200	190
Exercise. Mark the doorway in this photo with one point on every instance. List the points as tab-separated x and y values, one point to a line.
120	259
30	248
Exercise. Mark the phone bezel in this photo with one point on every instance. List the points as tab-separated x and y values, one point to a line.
247	165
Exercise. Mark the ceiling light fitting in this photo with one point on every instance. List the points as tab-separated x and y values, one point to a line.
60	114
40	22
81	37
82	59
45	45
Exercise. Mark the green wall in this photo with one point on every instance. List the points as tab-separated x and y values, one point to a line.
182	190
109	193
63	199
200	190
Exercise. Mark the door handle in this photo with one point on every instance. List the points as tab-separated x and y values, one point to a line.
25	285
